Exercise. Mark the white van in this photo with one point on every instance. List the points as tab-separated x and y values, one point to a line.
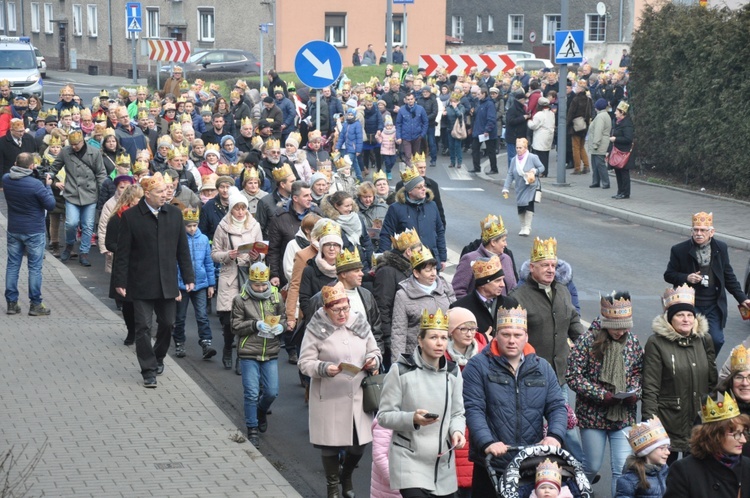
19	66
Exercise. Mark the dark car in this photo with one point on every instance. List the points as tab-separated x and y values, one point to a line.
223	60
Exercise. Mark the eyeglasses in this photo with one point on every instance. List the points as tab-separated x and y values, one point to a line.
468	330
740	434
742	378
340	311
701	230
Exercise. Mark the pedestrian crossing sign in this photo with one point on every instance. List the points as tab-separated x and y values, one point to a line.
569	47
134	25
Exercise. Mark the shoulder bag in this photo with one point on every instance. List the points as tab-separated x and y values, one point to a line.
618	158
459	129
372	388
538	192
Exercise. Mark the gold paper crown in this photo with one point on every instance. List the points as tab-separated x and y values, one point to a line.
683	294
724	408
213	148
186	119
342	162
108	132
347	258
259	272
55	141
257	142
482	268
234	94
333	293
418	158
278	88
406	239
252	173
272	143
175	127
141	89
140	166
37	159
647	436
75	136
75	110
41	116
548	471
492	227
409	173
184	85
4	82
154	105
65	112
379	175
295	136
143	115
617	310
739	359
123	159
236	169
263	90
419	256
511	318
246	121
544	249
703	220
290	86
175	152
223	169
281	174
167	178
433	321
52	112
4	103
191	215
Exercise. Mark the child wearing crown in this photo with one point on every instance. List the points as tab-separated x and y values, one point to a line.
645	471
57	215
258	320
548	481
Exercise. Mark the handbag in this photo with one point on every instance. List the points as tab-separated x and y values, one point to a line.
618	158
372	388
579	123
459	129
538	192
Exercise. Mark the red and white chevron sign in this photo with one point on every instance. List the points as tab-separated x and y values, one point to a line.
168	50
460	64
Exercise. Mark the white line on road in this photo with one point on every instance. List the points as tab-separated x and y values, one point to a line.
467	189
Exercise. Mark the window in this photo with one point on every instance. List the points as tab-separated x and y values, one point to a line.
515	28
336	29
479	24
35	24
48	18
490	24
206	24
92	21
2	18
399	29
596	28
152	23
11	16
77	20
551	24
457	27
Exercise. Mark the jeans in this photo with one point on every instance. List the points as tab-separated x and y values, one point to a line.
510	148
409	148
253	374
150	356
389	162
431	143
199	299
594	441
599	175
456	152
85	216
713	315
355	165
34	246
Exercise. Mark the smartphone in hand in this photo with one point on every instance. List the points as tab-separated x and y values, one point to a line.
431	415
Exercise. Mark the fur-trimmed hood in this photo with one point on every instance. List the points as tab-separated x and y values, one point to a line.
663	328
563	272
329	211
401	196
321	326
392	259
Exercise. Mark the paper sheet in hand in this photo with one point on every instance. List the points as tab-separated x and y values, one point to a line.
483	138
623	395
261	247
349	369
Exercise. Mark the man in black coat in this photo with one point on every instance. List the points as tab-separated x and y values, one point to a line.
13	143
487	296
702	262
428	100
152	236
431	184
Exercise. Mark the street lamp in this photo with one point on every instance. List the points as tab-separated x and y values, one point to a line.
263	28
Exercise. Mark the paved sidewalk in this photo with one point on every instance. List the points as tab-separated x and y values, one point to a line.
658	206
68	380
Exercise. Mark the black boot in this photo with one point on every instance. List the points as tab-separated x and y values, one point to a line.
331	469
227	359
350	463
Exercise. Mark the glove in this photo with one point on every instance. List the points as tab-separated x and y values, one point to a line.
631	400
263	327
609	400
277	329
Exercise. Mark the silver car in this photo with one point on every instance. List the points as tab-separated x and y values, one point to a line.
41	64
19	66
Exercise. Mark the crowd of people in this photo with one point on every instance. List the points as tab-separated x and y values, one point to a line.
294	236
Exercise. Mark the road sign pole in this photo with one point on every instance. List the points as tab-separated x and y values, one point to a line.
562	108
317	111
388	31
135	61
158	74
260	76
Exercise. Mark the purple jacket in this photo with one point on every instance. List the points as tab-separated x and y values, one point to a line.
463	279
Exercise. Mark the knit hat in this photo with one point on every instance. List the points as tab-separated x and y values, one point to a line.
600	104
316	177
616	310
330	233
226	138
235	197
351	103
124	178
224	179
459	316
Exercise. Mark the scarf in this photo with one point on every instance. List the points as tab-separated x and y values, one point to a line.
351	225
703	254
729	461
427	289
327	269
618	120
229	157
247	289
238	224
520	163
613	373
462	358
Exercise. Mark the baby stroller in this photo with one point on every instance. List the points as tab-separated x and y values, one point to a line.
518	480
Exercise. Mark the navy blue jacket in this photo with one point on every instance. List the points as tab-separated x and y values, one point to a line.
211	214
288	111
351	136
373	121
510	409
131	140
627	483
203	265
411	124
424	218
485	119
27	199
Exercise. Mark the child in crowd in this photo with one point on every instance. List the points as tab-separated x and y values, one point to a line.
298	158
388	145
645	472
57	215
205	284
549	481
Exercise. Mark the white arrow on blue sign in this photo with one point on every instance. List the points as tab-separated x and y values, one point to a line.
133	13
318	64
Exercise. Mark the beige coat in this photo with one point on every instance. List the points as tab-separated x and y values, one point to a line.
292	298
336	402
229	285
101	232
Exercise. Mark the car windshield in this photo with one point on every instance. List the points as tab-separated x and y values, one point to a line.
196	57
17	59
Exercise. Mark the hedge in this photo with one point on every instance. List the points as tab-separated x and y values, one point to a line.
690	95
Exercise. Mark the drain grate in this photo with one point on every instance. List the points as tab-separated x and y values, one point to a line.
169	465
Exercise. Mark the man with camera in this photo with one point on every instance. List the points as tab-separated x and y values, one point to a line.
703	263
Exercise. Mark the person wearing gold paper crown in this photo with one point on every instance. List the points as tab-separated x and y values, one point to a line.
414	208
548	481
645	472
335	338
350	140
131	137
424	289
297	157
340	207
314	149
604	370
283	179
422	403
702	262
216	208
523	173
715	467
239	110
622	139
737	382
343	180
679	366
258	321
418	161
509	369
177	194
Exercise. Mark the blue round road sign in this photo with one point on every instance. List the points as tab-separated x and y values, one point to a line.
318	64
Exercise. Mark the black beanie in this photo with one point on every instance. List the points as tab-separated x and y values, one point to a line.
676	308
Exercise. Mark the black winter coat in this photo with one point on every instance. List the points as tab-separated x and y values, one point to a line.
430	107
624	134
392	269
211	215
147	248
282	228
311	283
693	477
9	150
515	122
110	242
485	320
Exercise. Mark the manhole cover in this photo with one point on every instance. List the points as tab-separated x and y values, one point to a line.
169	465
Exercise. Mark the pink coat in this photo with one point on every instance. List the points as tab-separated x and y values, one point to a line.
380	483
388	142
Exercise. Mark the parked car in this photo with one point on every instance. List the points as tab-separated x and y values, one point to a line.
18	65
534	64
41	64
222	60
513	54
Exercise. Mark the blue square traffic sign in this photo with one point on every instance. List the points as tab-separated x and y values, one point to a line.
569	47
133	15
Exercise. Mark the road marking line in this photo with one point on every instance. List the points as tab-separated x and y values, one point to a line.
459	189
